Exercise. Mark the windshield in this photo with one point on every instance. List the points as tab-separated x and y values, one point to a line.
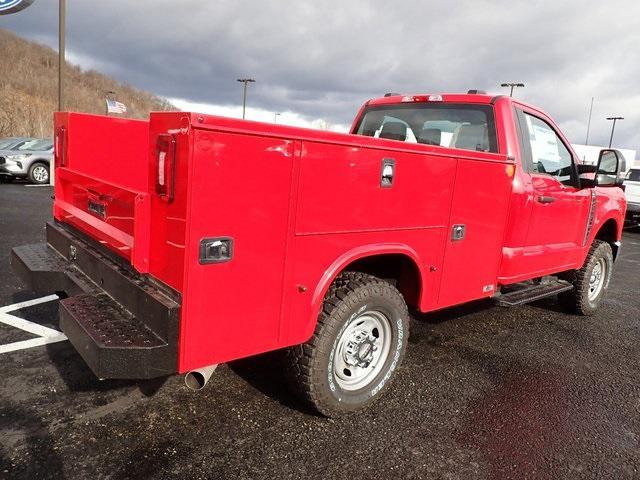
7	143
37	144
466	126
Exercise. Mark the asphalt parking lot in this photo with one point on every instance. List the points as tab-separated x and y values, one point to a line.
484	392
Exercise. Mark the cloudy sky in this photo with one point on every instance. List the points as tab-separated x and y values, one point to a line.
322	59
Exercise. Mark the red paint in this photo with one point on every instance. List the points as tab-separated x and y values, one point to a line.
302	205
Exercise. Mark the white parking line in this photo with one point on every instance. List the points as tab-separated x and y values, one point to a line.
34	342
45	335
28	303
27	326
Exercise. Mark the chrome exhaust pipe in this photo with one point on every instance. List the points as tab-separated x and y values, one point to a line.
197	379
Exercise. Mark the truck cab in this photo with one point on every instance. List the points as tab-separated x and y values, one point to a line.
553	211
224	238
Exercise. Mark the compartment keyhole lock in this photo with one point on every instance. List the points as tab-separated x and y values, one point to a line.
458	232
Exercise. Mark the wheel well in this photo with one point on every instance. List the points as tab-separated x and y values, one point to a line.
395	267
40	160
609	233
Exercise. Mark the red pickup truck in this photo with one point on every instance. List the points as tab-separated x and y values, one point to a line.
189	240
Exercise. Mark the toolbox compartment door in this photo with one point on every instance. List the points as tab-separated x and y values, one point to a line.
475	233
240	193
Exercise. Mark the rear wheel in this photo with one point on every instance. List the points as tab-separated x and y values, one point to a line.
359	342
591	281
39	173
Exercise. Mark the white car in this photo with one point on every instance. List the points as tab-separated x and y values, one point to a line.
632	193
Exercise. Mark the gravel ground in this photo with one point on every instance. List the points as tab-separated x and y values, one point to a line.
485	392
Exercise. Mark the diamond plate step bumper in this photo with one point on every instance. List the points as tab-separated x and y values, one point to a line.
113	342
123	324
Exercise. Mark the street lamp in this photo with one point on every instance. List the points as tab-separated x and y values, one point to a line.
275	117
613	127
246	81
512	85
62	13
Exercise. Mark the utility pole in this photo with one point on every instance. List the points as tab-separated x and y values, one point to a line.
246	81
275	117
512	85
586	142
613	127
62	13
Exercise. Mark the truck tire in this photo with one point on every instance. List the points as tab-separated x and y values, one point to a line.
359	342
590	282
39	173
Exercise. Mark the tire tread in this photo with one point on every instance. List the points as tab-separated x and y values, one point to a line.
576	300
299	365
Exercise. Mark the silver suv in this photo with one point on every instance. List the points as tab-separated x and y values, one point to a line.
27	158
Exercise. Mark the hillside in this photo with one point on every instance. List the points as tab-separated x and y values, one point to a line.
29	89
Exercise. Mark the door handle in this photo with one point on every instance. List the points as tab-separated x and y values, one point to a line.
546	199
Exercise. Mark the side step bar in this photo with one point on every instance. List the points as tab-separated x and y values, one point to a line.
527	292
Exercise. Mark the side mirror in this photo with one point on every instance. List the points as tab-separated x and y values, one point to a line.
607	172
610	167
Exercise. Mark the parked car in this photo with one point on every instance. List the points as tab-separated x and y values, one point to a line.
632	192
11	143
225	238
28	158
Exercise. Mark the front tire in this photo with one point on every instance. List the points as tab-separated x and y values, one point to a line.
591	281
359	342
39	173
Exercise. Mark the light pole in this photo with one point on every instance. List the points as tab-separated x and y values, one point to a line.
512	85
275	117
613	127
586	141
246	81
62	13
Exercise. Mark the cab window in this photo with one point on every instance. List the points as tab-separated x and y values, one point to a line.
451	125
545	150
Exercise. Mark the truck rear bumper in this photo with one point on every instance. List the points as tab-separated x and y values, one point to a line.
122	324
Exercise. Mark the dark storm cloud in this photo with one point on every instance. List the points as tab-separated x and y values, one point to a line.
323	59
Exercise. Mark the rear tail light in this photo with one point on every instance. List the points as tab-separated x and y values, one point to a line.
166	167
59	147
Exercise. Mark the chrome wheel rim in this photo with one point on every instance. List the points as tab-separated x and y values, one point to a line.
597	279
40	174
362	349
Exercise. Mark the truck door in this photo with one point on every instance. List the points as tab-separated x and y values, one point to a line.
557	224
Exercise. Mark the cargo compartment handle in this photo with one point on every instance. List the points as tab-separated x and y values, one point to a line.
166	167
